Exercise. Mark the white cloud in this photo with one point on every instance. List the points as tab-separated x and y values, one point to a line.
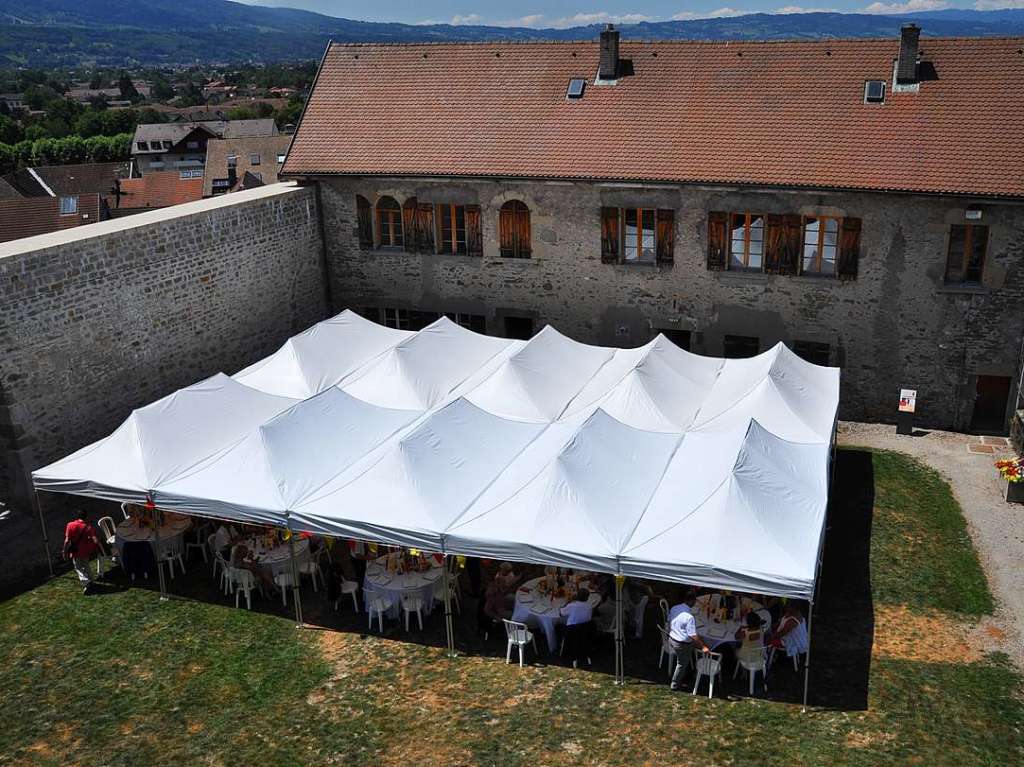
598	17
801	9
532	20
910	6
469	18
997	5
720	13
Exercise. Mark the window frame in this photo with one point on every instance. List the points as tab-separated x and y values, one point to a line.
255	159
965	255
70	202
452	216
640	228
515	210
820	246
747	226
394	222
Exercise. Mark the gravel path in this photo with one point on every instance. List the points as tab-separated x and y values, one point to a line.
997	527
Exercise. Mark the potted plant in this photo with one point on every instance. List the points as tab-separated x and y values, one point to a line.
1012	470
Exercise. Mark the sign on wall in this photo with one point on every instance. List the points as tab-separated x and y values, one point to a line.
908	400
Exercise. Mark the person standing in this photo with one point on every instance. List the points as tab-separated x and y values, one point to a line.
579	626
80	546
682	636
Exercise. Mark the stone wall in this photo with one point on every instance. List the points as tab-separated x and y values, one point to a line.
897	325
112	316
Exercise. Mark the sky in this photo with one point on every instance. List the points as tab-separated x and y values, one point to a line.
568	13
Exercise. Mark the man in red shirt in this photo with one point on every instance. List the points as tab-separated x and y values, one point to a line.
81	545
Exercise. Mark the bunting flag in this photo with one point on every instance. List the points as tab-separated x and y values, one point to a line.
373	548
461	562
619	580
329	543
287	535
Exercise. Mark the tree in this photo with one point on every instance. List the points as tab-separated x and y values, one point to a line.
127	88
40	96
290	113
241	113
11	131
161	90
96	81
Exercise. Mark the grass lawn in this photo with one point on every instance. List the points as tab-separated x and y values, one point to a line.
121	679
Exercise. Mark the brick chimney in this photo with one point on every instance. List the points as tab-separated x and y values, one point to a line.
906	65
609	67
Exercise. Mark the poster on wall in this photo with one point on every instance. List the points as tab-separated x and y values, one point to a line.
908	400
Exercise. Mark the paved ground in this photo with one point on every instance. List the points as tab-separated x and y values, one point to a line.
997	527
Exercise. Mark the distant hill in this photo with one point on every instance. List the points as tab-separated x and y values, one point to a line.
50	33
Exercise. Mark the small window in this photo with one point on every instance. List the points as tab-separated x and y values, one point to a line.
965	259
821	244
389	222
364	222
519	327
815	352
514	230
474	322
395	318
280	159
746	245
874	91
143	146
192	173
453	228
254	159
192	145
232	161
638	244
576	87
168	144
740	347
68	206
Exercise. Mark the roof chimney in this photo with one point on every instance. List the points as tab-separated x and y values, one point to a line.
609	67
906	66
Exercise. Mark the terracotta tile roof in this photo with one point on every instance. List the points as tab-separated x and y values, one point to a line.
157	189
762	113
28	216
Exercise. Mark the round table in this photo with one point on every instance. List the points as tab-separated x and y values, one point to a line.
540	611
378	582
278	558
717	633
174	526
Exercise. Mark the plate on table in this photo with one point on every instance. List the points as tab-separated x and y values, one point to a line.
525	598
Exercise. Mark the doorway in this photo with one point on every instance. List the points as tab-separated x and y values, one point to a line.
990	399
519	327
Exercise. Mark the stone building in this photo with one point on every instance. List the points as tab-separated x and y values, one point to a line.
858	200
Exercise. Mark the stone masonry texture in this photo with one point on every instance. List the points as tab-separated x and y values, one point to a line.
897	325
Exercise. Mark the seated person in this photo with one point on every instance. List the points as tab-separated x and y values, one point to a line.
223	540
495	604
751	637
578	616
506	578
242	559
791	634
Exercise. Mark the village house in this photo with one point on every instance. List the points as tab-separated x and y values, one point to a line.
181	145
858	200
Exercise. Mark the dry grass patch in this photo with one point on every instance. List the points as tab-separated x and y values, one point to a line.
931	637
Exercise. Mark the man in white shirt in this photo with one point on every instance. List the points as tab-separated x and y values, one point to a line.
578	615
683	637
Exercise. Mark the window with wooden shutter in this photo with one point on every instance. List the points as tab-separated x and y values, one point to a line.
409	224
820	246
965	258
364	222
451	228
774	242
389	223
792	242
514	230
849	248
425	227
474	238
746	242
718	240
666	236
610	235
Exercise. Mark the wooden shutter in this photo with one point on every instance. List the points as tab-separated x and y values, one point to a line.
506	231
522	231
425	227
666	235
849	248
718	240
409	224
364	217
792	243
610	237
774	241
474	241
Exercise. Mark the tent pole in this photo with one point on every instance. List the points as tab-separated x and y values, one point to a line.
157	550
295	579
448	627
807	660
42	525
620	676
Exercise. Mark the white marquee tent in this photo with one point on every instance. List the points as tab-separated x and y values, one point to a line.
649	462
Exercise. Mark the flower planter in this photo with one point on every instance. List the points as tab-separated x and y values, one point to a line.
1015	492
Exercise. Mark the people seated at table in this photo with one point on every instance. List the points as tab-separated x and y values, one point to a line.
579	627
791	633
243	559
751	637
223	539
683	638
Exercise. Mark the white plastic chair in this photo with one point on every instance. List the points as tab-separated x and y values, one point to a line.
311	566
453	594
709	664
520	636
412	604
663	604
638	616
242	582
348	587
378	605
171	552
124	510
796	643
766	619
199	542
106	524
284	582
666	650
752	661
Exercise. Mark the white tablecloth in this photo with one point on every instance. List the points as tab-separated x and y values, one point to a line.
717	633
174	527
542	611
379	582
278	557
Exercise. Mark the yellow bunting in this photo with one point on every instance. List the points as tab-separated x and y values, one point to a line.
329	543
373	548
619	580
287	535
414	552
461	562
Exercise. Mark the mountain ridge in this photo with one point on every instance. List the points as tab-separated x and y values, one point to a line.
53	33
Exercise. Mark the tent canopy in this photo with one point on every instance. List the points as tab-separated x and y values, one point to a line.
652	462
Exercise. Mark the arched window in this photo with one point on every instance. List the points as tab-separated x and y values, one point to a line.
365	221
514	230
389	222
